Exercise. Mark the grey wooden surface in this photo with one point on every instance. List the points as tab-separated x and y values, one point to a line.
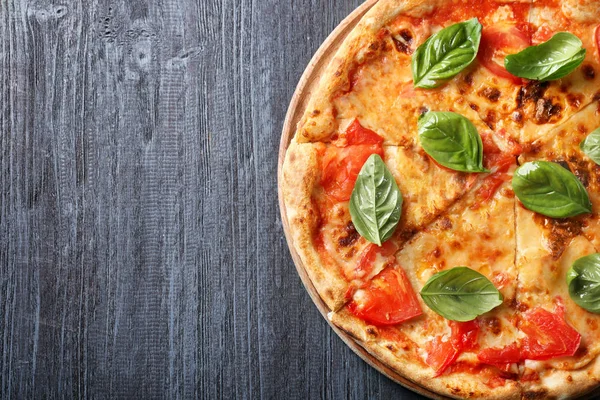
141	250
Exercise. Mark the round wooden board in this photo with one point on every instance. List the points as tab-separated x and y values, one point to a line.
308	81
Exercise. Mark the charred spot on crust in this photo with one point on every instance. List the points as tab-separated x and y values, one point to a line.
445	223
562	163
588	72
516	305
492	94
559	232
474	107
582	351
423	110
574	100
535	394
520	96
534	91
517	116
403	41
545	110
436	252
469	78
371	330
352	235
580	169
374	46
490	119
596	96
315	113
493	324
533	148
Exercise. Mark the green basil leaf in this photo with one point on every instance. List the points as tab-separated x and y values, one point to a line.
551	190
583	280
591	146
376	202
445	54
460	294
452	141
551	60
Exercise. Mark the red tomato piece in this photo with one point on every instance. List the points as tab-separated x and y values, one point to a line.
341	167
441	354
357	134
543	34
501	357
548	336
464	334
495	159
389	299
496	43
488	188
369	255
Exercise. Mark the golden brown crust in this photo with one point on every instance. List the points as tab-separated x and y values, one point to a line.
557	384
402	357
300	177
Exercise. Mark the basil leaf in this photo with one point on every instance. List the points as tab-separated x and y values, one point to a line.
376	202
583	280
445	54
591	146
460	294
551	190
452	141
551	60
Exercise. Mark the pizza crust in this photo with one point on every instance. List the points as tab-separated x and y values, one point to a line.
299	178
401	358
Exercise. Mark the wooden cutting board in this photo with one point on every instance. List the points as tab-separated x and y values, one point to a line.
307	83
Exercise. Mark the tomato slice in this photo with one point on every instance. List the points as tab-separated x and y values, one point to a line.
389	299
464	334
501	357
357	134
548	336
440	355
496	43
443	353
498	162
369	255
341	165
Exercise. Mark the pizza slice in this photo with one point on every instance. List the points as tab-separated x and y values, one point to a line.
560	341
446	356
317	182
562	145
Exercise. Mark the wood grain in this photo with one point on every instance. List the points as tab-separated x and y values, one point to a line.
141	252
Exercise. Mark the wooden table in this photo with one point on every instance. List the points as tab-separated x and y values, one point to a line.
141	249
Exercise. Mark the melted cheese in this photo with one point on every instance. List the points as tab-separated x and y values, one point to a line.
464	237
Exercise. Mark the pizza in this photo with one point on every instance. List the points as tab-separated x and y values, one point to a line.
442	191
